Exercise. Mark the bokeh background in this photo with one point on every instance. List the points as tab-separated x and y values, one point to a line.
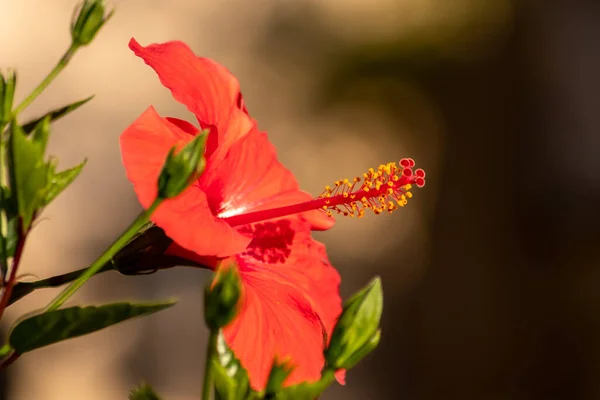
491	274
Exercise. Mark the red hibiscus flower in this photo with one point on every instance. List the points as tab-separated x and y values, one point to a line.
290	291
247	207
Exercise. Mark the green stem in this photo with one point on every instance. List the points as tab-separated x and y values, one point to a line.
97	265
4	350
3	217
210	354
22	289
327	377
62	63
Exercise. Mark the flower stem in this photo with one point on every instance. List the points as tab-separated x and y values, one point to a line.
4	350
3	217
13	357
210	353
22	289
62	63
97	265
13	269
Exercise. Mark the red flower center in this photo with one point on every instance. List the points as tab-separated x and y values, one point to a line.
271	241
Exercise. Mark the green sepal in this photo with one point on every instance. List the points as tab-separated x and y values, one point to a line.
55	326
55	114
182	167
362	352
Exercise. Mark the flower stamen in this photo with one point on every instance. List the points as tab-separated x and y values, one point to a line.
385	189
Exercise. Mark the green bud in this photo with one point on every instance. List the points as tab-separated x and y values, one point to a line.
357	331
221	297
88	18
367	348
7	93
182	168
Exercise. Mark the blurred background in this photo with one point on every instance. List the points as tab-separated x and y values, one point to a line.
491	274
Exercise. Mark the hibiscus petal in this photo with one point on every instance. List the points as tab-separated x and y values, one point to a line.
288	308
187	219
205	87
251	178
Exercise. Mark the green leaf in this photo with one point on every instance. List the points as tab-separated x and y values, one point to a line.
59	182
7	203
7	92
357	330
8	242
28	173
41	133
55	326
231	379
143	392
55	114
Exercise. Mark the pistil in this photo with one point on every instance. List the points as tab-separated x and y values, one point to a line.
384	189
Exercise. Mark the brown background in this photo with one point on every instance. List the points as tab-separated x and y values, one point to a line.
491	274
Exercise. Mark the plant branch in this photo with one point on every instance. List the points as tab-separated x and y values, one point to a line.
105	258
62	63
15	266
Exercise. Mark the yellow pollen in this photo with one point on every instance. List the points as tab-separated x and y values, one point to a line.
384	188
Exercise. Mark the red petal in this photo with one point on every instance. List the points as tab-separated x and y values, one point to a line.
288	310
187	219
251	178
208	89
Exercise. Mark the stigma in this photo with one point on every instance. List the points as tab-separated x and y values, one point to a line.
383	190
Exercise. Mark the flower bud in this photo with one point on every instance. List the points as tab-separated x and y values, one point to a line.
182	168
357	331
87	20
7	93
221	297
